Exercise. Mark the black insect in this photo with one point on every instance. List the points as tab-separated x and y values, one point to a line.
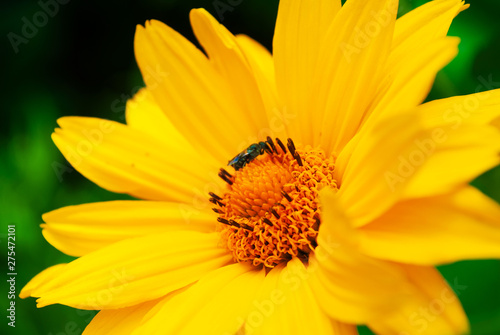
248	155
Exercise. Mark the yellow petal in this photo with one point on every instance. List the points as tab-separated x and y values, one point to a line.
419	51
423	25
78	230
433	310
144	114
262	65
436	230
350	286
286	305
39	279
133	271
408	81
299	35
472	109
126	160
391	298
349	69
366	189
121	321
444	169
194	96
427	158
231	63
217	304
459	146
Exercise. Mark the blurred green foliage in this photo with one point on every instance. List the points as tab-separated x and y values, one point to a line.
81	61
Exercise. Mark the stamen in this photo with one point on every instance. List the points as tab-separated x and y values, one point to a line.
240	225
213	195
286	196
224	175
276	215
227	174
268	149
291	146
266	220
222	220
270	212
216	202
245	226
297	158
271	143
282	146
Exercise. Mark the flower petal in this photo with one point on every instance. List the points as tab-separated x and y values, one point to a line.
39	279
459	131
286	301
436	309
262	65
422	160
121	321
217	304
116	276
409	80
365	190
299	34
189	90
436	230
423	25
419	51
78	230
350	286
144	114
229	60
350	66
388	296
125	160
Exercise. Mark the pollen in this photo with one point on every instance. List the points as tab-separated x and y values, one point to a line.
270	212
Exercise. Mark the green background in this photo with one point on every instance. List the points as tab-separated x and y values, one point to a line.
81	61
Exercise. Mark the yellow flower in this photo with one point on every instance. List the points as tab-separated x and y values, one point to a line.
340	225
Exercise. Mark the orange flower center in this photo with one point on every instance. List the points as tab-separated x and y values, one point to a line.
270	212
